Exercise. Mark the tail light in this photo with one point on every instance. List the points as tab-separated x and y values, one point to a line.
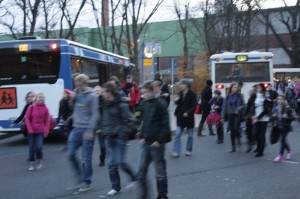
219	86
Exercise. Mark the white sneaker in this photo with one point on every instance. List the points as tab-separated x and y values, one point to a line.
39	164
188	153
31	166
175	155
112	192
130	185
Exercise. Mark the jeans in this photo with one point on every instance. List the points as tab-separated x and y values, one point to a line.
260	128
234	123
116	153
177	140
156	155
284	144
35	141
102	147
76	139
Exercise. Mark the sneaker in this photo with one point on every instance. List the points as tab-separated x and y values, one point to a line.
289	155
76	186
31	166
188	153
130	185
38	164
278	159
102	163
112	192
175	155
85	187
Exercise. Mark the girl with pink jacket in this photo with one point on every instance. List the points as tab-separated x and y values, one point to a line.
37	120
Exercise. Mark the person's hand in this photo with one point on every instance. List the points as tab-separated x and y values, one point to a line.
89	136
142	141
98	131
284	116
185	114
254	119
156	144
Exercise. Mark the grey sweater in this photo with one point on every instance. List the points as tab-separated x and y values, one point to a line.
85	113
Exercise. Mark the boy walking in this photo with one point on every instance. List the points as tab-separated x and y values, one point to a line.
85	117
155	133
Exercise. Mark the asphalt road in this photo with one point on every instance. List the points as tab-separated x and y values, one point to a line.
210	173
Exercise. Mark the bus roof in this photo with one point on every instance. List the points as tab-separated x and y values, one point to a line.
69	43
284	70
252	53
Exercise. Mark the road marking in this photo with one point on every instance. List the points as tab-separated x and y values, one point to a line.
290	162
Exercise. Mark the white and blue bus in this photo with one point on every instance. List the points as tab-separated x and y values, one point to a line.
248	67
48	65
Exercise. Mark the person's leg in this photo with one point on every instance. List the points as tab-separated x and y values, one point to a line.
74	142
189	143
87	153
31	147
159	161
232	133
111	146
220	132
39	150
145	160
177	141
102	149
202	121
121	158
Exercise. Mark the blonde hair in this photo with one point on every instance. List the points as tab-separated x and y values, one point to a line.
82	78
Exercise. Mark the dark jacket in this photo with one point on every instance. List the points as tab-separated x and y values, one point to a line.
187	105
65	110
249	112
284	123
156	124
217	102
116	119
21	117
206	96
233	104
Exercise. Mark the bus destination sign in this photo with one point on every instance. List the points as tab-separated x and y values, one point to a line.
23	48
241	58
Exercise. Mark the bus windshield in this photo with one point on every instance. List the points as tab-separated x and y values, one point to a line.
39	67
245	72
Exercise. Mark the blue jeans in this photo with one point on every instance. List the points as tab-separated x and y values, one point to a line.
156	155
76	139
177	140
116	153
35	141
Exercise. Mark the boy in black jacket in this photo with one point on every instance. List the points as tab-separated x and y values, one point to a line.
155	133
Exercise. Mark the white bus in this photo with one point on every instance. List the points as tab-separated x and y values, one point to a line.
248	67
48	65
288	74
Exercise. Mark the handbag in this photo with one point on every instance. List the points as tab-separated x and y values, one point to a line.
198	109
213	117
275	134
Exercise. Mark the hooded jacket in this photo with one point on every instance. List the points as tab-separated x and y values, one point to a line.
37	119
85	110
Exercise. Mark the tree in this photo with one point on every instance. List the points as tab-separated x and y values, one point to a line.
183	19
137	14
289	17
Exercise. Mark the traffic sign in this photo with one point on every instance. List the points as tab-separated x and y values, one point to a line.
147	62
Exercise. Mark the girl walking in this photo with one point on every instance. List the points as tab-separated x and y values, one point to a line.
282	117
233	108
37	120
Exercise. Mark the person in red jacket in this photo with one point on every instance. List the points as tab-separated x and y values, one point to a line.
131	89
37	121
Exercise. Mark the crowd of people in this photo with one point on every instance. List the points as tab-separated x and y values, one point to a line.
111	113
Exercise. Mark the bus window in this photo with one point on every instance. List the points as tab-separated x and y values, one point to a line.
245	72
29	68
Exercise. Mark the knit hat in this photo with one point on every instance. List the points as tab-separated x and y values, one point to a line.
218	92
209	82
186	82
